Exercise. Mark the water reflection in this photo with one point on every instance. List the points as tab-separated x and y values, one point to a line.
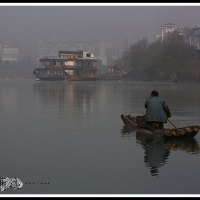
158	149
69	96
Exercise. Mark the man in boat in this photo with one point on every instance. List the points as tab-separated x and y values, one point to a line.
157	113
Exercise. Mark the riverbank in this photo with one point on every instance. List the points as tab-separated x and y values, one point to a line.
104	78
16	75
139	77
10	77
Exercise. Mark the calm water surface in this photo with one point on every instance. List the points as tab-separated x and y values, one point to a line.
68	138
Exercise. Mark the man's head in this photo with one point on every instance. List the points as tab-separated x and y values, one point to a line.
154	93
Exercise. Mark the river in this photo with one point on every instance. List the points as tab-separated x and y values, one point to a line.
67	138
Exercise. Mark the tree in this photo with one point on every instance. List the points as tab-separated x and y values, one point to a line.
162	60
137	54
1	64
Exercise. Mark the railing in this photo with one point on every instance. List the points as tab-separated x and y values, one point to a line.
91	68
71	67
65	67
50	75
52	67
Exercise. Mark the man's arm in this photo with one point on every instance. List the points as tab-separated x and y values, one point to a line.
168	113
167	110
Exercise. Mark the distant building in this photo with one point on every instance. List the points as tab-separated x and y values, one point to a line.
191	35
165	30
8	53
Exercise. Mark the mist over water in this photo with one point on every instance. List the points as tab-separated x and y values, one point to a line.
68	138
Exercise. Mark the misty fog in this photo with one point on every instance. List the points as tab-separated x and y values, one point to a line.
101	22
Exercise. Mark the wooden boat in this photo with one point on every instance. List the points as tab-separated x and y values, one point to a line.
188	131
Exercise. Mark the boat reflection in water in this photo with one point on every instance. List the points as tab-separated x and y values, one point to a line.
157	149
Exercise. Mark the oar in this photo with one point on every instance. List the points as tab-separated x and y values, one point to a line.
171	123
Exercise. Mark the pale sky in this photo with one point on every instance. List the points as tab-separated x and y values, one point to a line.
93	21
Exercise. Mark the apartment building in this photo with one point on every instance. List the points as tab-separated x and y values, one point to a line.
8	53
191	35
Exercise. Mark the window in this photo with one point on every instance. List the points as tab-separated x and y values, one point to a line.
60	72
51	72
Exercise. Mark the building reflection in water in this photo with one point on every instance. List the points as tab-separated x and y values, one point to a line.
157	149
69	102
67	94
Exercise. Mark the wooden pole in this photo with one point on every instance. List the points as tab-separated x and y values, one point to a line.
171	122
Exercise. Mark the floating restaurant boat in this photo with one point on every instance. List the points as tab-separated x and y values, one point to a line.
187	131
68	66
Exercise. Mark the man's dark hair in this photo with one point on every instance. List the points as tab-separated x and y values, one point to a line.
154	93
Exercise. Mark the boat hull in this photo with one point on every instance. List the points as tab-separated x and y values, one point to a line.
82	79
189	131
69	79
50	79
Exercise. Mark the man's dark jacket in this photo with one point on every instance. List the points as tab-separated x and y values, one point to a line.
157	110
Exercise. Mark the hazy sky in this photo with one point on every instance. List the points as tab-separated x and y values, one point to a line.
102	22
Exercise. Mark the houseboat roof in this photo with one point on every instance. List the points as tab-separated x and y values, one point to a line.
168	24
52	59
65	59
87	58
